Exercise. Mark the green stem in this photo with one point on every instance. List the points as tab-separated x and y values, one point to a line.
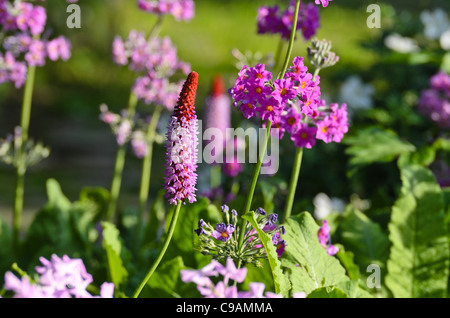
295	174
163	250
120	163
293	183
257	168
147	162
21	160
291	40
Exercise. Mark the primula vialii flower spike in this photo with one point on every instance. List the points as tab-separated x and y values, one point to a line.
182	141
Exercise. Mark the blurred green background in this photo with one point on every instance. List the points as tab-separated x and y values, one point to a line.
67	95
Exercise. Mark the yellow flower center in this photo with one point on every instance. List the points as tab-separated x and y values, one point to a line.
258	90
283	91
291	121
269	108
304	135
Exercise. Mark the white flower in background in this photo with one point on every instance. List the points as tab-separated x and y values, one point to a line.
324	205
445	40
435	23
356	94
401	44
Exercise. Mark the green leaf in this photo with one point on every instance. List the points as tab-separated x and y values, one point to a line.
419	259
165	281
52	229
347	260
184	237
354	289
281	283
113	247
425	155
373	144
307	263
363	237
327	292
6	250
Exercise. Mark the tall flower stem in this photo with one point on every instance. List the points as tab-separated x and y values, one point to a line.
119	164
21	159
162	251
147	170
293	184
257	168
295	174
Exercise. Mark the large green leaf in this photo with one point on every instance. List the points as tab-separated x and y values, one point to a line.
166	281
281	283
419	259
327	292
53	230
184	238
113	247
363	237
306	262
375	145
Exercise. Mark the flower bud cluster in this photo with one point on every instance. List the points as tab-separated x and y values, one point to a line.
222	241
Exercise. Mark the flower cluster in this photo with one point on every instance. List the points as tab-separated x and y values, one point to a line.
292	104
221	241
23	24
58	278
179	9
325	238
181	146
434	102
157	59
33	152
223	288
271	20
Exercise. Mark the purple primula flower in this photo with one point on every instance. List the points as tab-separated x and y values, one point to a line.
292	104
223	232
232	168
291	121
201	277
179	9
270	109
230	271
271	20
218	117
139	144
58	48
323	2
23	288
223	289
325	239
284	90
64	277
261	211
58	278
36	54
181	145
305	137
298	70
434	102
